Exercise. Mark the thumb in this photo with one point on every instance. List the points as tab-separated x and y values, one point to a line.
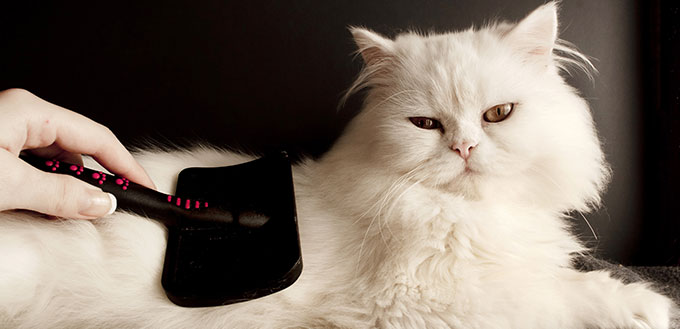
63	196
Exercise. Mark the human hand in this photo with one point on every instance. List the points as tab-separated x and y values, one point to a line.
47	130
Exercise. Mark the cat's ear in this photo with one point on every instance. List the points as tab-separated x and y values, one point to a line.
373	47
534	37
378	54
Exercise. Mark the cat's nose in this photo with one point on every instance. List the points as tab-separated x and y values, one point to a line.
463	148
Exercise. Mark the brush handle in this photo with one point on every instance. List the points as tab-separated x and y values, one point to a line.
133	197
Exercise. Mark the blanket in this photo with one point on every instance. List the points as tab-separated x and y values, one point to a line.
666	279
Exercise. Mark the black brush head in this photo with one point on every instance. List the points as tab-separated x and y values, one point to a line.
253	254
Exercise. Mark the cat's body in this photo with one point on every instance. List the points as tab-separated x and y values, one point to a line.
401	225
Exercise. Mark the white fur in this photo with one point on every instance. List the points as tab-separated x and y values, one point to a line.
394	232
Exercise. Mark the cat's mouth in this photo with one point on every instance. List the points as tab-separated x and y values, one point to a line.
470	171
464	182
453	179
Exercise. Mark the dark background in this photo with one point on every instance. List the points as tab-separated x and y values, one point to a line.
261	75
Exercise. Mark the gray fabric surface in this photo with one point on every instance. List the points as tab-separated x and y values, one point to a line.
666	279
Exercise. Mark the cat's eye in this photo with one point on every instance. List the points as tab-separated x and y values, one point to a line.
426	123
499	112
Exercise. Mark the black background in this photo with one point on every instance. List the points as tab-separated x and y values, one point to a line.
261	75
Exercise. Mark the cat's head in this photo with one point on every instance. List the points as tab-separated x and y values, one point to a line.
483	113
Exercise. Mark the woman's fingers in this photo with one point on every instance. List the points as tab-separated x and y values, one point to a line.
30	123
25	187
55	152
51	126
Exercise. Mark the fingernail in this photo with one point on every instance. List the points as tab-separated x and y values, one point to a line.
97	204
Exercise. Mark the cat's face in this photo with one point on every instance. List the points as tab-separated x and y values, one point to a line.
480	113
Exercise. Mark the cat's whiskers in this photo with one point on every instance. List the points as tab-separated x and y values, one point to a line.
440	181
390	98
385	196
588	223
566	54
394	202
381	203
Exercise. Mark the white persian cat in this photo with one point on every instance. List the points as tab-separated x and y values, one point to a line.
442	205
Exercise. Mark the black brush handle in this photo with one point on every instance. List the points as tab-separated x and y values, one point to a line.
132	197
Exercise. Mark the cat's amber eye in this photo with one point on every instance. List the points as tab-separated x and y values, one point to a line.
499	112
425	123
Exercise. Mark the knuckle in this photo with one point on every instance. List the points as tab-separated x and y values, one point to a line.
109	133
16	93
60	202
106	135
7	188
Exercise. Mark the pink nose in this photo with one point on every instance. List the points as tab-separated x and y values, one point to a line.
463	149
